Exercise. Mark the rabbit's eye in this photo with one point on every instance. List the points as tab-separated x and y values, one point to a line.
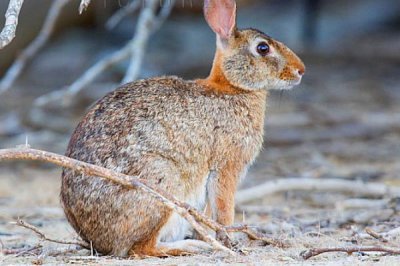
263	48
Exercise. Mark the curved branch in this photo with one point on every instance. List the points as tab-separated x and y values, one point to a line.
349	250
148	23
119	178
67	95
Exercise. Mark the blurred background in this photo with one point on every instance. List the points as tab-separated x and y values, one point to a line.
342	122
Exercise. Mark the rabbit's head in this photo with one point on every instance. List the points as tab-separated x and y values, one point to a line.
250	59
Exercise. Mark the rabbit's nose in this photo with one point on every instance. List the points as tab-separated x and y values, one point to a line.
301	71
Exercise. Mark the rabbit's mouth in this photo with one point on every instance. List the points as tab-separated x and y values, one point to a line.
287	84
295	82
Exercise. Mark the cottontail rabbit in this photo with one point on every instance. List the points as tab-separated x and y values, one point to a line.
194	139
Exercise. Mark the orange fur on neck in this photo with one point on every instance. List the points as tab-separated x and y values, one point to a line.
217	82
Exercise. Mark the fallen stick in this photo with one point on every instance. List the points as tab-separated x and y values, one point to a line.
349	250
254	235
10	26
375	235
312	184
385	237
193	216
20	251
44	237
124	180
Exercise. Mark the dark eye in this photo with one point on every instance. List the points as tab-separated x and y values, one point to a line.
263	48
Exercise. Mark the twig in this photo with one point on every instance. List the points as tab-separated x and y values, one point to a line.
66	95
143	32
44	237
349	250
134	49
185	210
26	55
119	178
254	235
148	23
10	26
20	251
312	184
115	19
83	6
376	235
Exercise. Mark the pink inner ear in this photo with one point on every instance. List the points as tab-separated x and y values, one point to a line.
221	16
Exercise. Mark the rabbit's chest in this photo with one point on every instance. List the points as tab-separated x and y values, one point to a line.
239	141
238	128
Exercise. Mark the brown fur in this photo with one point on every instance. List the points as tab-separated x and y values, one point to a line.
194	139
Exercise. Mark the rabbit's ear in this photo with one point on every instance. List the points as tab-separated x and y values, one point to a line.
221	16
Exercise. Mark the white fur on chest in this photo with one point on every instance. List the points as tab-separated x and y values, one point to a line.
177	228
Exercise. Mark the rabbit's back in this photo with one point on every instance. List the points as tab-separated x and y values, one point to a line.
168	117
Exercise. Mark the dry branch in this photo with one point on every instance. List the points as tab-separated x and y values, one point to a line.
149	21
349	250
20	251
124	180
10	26
192	215
144	28
375	235
254	235
44	237
312	184
26	55
66	95
83	5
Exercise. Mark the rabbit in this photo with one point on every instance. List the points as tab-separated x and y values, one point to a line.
193	138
